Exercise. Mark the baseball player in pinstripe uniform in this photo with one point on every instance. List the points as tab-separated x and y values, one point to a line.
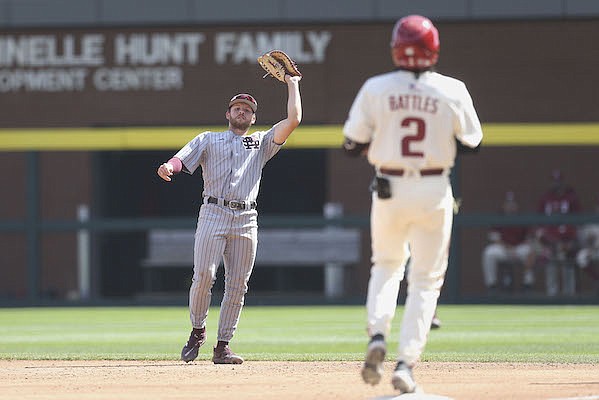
409	123
232	163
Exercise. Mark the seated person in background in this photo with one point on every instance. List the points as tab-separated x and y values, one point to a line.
557	244
508	244
587	257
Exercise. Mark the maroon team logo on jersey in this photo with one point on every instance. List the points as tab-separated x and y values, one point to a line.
250	144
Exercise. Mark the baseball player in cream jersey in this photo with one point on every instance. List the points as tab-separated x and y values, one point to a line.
232	163
409	123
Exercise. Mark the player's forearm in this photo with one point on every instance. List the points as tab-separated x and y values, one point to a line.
294	112
294	103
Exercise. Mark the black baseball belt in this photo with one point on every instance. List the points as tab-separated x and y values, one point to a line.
232	204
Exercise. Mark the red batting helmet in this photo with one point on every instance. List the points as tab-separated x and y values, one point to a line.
415	43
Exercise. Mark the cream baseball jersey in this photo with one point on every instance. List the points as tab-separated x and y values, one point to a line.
412	122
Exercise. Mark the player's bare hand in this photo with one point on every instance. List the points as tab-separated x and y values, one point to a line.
165	171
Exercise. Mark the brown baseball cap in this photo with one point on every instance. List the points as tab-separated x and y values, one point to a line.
244	98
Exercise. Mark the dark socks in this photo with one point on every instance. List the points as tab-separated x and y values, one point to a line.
378	336
198	331
221	344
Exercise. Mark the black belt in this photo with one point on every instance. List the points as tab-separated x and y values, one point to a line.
233	204
401	172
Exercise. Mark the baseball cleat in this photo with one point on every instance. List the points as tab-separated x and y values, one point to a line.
225	355
402	379
436	322
196	339
372	371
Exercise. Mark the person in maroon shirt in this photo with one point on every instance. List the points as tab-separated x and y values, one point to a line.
558	244
508	245
587	257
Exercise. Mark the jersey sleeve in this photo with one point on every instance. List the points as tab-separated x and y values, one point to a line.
359	125
191	154
270	147
467	127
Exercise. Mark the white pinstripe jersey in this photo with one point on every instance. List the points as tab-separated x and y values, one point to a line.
231	164
412	123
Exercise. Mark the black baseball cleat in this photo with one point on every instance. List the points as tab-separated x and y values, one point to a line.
196	339
372	370
224	355
403	379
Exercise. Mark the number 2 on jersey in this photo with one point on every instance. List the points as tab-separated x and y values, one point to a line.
420	126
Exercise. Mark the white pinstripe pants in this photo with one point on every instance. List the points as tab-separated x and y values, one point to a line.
419	213
230	235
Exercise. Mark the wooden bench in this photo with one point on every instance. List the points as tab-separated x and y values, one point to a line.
309	247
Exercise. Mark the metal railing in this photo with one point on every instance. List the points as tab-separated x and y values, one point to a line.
34	228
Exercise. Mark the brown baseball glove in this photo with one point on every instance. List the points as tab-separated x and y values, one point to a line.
278	64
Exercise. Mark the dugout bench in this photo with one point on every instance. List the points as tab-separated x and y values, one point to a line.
332	248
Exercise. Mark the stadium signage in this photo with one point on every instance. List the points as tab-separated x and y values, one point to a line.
130	61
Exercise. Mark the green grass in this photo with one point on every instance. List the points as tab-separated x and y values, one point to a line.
560	334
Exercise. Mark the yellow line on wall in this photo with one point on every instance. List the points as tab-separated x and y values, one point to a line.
320	136
569	134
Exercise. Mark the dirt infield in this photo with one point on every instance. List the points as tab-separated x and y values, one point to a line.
83	380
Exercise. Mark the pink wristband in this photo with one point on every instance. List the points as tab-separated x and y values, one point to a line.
177	165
